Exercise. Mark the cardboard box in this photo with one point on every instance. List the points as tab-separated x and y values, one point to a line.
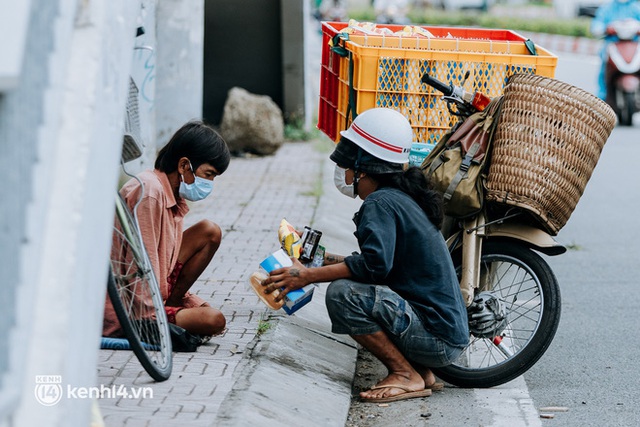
297	299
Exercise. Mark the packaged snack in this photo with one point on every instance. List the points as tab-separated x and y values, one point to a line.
289	239
307	249
274	261
310	240
414	30
294	300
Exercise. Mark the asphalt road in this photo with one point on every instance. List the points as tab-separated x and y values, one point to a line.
590	367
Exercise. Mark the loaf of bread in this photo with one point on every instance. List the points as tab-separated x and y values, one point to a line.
256	280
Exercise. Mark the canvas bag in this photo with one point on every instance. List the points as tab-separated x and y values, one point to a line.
456	166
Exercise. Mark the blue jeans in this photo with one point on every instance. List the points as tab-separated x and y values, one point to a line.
361	309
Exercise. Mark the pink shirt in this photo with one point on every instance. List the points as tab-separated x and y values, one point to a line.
161	219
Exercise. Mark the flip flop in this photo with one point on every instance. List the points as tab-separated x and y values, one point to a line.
435	386
408	394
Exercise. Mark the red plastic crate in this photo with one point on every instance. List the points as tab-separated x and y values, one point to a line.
387	72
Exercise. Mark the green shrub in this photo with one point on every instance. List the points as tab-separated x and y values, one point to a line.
578	27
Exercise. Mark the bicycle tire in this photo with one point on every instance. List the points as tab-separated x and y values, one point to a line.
530	279
135	296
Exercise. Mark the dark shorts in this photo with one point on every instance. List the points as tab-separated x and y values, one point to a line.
360	309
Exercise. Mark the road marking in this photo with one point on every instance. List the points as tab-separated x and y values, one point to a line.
510	404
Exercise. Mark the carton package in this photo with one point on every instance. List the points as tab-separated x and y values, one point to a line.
297	299
294	300
307	249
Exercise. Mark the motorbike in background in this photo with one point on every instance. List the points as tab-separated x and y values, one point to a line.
622	69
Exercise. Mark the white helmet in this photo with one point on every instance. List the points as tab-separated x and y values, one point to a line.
382	132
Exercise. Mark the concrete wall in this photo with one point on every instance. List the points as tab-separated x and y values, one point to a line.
61	123
180	32
61	126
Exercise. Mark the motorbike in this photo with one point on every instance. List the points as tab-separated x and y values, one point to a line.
515	308
622	69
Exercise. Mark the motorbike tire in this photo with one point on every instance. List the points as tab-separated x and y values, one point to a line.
540	309
627	109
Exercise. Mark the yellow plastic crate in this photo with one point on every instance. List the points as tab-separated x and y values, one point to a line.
387	72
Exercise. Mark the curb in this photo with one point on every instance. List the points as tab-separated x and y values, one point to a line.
293	374
298	372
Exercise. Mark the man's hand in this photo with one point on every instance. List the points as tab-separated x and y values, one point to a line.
287	279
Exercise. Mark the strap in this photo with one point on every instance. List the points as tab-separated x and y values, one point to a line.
437	162
462	172
531	47
352	92
345	53
335	44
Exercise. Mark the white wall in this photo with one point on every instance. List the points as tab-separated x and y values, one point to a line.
61	124
62	259
179	76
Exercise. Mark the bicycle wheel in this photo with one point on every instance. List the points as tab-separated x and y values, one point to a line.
529	291
135	295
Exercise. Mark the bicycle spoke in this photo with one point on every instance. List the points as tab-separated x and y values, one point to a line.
516	287
141	310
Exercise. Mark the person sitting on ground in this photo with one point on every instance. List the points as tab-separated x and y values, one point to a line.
399	297
184	170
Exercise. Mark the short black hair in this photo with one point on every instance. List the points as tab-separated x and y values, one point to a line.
198	142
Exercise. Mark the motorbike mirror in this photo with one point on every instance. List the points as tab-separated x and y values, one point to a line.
466	76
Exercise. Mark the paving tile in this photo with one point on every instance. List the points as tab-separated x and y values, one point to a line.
252	196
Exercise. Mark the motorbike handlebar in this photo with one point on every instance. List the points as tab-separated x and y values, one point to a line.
447	90
467	102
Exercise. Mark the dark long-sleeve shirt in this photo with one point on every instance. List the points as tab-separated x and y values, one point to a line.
402	249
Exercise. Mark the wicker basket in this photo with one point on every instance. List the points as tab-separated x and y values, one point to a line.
546	145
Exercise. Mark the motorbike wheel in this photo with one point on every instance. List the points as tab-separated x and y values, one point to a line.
527	287
627	108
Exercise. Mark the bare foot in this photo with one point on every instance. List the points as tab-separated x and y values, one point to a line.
412	382
426	374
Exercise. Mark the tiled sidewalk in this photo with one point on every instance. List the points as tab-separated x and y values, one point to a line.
248	202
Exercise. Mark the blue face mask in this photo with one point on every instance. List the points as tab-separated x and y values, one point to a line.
198	190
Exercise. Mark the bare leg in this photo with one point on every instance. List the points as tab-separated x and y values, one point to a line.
199	243
201	320
400	370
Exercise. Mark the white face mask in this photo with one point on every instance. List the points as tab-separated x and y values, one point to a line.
197	190
339	180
